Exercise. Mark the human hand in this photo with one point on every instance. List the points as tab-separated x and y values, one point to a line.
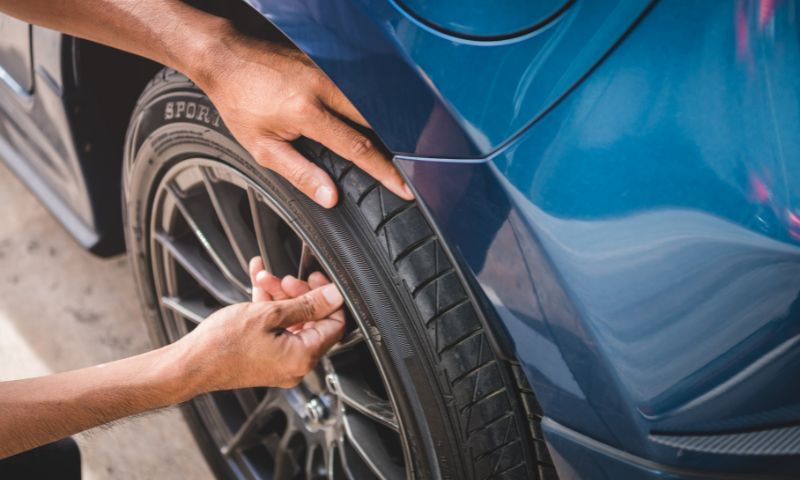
270	94
273	341
267	287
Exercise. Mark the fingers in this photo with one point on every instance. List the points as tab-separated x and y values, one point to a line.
334	99
356	147
318	279
313	305
271	285
256	269
294	287
320	336
283	159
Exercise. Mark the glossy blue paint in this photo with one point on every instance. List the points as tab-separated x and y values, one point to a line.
478	19
653	215
430	94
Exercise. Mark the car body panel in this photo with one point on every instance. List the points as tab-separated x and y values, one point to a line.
430	94
654	212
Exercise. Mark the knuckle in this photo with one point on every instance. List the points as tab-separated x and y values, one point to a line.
262	153
275	312
304	106
360	145
318	80
307	308
302	176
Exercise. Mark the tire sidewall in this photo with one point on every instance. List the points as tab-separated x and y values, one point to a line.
158	138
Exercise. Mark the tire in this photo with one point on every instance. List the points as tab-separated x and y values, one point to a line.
466	414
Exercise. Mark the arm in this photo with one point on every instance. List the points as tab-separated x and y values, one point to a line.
273	341
267	94
39	410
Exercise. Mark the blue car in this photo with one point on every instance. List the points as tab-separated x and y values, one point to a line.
600	275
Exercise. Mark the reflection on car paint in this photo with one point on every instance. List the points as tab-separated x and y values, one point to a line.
655	221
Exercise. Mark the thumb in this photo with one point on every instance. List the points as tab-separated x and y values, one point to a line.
313	305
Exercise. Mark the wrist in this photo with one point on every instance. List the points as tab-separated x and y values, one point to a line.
207	52
180	375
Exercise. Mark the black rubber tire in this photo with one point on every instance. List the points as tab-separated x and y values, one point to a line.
468	413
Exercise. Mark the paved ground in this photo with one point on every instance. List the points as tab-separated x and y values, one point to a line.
61	308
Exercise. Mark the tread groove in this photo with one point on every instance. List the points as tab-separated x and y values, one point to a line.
345	171
501	445
430	280
388	218
406	251
472	370
402	255
444	312
366	192
487	395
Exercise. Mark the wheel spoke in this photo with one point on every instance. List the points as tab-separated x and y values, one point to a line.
359	469
195	212
204	272
310	467
247	399
354	338
330	462
253	202
285	463
360	398
193	310
271	243
226	199
370	449
243	436
306	260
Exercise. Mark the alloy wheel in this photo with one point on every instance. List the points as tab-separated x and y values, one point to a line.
207	221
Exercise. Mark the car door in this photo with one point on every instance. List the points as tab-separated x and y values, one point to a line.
15	54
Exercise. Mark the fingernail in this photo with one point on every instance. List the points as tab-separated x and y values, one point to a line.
332	295
324	196
261	276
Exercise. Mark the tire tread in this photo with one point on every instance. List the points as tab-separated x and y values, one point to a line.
490	394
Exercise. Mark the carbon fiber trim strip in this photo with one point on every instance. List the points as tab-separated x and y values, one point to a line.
777	441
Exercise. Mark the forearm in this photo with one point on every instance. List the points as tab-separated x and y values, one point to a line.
167	31
39	410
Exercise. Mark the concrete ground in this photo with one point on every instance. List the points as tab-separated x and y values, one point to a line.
60	309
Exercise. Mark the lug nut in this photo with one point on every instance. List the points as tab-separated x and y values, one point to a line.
315	410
